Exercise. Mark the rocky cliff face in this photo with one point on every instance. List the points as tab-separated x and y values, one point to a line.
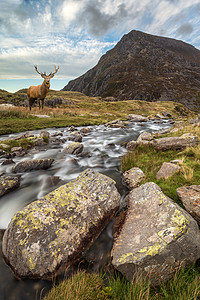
145	67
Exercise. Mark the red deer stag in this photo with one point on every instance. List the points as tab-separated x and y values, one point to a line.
40	91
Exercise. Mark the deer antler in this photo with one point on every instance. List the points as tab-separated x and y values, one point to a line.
42	74
56	70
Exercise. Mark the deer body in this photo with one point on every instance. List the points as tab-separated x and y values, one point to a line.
39	92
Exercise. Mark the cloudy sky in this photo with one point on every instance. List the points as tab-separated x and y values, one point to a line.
75	33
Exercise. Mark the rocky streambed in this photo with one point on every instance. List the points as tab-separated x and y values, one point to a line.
44	168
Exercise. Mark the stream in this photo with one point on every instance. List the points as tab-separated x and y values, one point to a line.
103	149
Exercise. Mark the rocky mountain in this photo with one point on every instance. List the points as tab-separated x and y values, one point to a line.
145	67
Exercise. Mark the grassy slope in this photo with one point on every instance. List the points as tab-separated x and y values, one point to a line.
77	109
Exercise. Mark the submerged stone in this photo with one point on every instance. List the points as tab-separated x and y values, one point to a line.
156	237
33	164
50	234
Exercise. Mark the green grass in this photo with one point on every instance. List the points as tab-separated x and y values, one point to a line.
150	160
77	109
24	143
184	285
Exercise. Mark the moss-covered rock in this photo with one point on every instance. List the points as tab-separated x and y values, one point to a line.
50	234
156	237
8	183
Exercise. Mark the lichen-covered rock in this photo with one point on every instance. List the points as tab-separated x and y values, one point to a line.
133	177
131	145
73	148
176	143
167	170
190	196
33	164
156	237
44	134
75	136
145	136
50	234
8	183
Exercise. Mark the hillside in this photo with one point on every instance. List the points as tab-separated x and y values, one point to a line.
145	67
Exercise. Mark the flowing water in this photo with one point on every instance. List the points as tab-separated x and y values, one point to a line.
103	148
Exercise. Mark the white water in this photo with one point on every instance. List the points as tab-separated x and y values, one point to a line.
104	151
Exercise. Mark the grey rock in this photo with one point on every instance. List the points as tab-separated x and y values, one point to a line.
133	177
167	114
32	164
16	149
136	118
131	145
190	197
167	170
49	235
44	133
85	130
156	238
73	148
159	116
39	142
145	136
176	143
7	162
75	136
115	124
8	183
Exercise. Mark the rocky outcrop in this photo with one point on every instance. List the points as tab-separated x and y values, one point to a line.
133	177
33	164
156	237
8	183
50	234
190	197
74	148
176	143
167	170
145	67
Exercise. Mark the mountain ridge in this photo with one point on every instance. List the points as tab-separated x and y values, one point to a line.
145	67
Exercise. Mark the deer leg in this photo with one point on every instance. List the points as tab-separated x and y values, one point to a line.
39	103
31	102
42	104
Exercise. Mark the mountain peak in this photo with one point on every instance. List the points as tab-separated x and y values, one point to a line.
145	67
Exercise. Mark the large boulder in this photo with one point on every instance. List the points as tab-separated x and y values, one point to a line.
156	237
176	143
8	183
50	234
33	164
190	196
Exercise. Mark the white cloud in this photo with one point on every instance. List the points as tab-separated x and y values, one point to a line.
72	33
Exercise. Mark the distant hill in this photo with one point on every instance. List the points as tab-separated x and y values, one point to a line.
145	67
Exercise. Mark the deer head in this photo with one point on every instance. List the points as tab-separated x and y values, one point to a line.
47	77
